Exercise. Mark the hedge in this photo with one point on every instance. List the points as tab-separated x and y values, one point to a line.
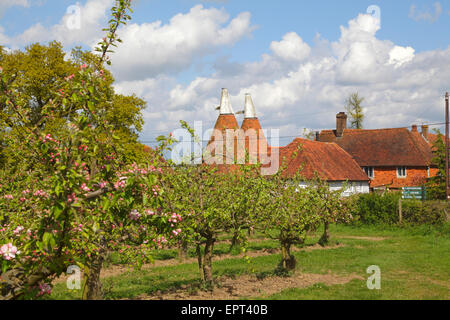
374	208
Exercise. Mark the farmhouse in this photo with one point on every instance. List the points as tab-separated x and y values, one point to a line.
392	158
327	160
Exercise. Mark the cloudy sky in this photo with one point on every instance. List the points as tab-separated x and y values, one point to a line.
299	59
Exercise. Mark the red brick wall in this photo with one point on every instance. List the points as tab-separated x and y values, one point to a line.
433	172
415	176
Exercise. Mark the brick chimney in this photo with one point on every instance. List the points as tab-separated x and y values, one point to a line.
425	131
341	124
414	128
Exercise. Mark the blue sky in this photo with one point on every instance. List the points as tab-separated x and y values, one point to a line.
273	18
398	63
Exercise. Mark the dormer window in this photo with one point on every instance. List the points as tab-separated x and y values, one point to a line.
401	172
369	171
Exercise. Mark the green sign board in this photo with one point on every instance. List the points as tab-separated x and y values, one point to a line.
418	193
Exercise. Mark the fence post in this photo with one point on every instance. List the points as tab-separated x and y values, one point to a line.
400	217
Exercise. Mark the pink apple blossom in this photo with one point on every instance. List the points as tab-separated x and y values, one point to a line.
44	289
134	215
18	230
9	251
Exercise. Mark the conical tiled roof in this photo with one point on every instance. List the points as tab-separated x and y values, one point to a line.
226	123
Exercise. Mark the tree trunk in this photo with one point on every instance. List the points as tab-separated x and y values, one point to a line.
207	263
200	261
235	241
288	261
325	239
15	284
182	251
93	286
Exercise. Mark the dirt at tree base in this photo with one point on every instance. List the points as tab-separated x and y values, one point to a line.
116	270
247	286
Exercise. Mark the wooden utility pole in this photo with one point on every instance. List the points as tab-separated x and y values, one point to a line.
446	146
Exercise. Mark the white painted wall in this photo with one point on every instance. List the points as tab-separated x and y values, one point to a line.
352	187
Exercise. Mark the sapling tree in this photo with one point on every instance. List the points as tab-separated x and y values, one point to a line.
198	193
333	207
287	212
245	191
211	199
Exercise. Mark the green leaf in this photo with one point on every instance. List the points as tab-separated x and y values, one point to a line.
44	148
47	240
39	245
76	205
106	204
58	209
145	200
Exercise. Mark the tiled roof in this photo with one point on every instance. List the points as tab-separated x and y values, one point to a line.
251	123
226	121
383	147
259	142
328	160
432	137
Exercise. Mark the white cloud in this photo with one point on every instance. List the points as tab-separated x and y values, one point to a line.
3	38
91	20
294	85
431	17
5	4
12	3
150	49
400	55
291	48
400	86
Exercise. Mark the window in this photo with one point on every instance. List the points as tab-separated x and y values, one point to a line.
369	172
401	172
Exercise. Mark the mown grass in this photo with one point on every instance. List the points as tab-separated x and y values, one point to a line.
219	249
414	263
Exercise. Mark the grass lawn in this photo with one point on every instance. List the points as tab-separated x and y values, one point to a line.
414	264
